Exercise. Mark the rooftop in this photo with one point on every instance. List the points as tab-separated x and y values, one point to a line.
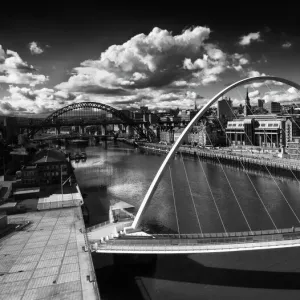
26	191
5	189
8	205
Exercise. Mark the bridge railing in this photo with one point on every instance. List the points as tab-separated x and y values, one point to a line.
183	242
91	228
230	234
190	245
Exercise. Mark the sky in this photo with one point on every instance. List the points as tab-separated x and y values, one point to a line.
160	54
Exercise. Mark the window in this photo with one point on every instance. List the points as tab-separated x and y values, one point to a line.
270	125
263	125
240	125
276	125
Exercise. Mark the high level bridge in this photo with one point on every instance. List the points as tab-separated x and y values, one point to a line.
118	238
90	118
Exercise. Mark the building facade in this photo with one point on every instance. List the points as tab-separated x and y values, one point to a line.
167	136
225	109
47	167
260	130
275	108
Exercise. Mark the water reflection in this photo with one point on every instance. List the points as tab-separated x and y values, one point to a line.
122	173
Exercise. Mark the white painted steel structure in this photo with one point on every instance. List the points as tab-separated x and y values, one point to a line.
150	248
178	142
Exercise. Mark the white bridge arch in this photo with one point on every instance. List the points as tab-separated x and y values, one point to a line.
177	144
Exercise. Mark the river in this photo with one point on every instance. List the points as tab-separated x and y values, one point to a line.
121	172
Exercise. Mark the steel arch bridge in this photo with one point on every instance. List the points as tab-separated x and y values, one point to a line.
179	141
53	118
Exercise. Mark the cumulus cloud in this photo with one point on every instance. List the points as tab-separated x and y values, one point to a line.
13	70
254	93
160	63
39	101
249	38
267	83
34	48
286	45
291	95
155	60
164	64
253	73
239	61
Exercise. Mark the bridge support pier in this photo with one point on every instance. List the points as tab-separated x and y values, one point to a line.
103	130
81	129
57	130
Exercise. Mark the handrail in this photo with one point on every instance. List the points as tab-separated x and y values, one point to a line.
90	228
194	245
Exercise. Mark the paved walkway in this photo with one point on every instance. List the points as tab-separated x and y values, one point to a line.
47	260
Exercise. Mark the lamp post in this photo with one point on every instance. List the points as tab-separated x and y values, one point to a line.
62	183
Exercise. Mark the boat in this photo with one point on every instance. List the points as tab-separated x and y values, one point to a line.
77	156
79	141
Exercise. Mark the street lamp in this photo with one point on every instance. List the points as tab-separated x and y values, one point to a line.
63	183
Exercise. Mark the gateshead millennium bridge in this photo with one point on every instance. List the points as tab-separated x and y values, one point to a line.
124	237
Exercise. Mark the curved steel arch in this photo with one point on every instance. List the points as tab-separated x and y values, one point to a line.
49	120
176	145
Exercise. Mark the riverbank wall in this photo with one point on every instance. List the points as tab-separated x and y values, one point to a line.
272	166
131	142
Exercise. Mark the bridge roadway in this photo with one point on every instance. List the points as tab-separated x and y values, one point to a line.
141	243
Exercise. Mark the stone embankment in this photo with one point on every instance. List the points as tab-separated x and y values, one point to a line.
245	161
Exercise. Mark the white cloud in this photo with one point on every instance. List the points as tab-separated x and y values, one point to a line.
286	45
253	73
34	48
292	90
28	100
156	60
282	96
153	65
13	70
153	60
254	93
249	38
238	62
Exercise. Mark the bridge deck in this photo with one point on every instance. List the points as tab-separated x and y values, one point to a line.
198	244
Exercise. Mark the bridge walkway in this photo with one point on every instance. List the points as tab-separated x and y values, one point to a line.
195	243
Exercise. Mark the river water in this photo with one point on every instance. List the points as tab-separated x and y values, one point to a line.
122	173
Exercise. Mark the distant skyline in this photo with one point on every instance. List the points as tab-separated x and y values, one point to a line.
55	54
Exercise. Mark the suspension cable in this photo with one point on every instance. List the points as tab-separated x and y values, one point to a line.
212	195
293	121
174	201
257	193
237	201
191	194
274	180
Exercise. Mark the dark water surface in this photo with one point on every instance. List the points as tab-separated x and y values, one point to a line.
123	173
